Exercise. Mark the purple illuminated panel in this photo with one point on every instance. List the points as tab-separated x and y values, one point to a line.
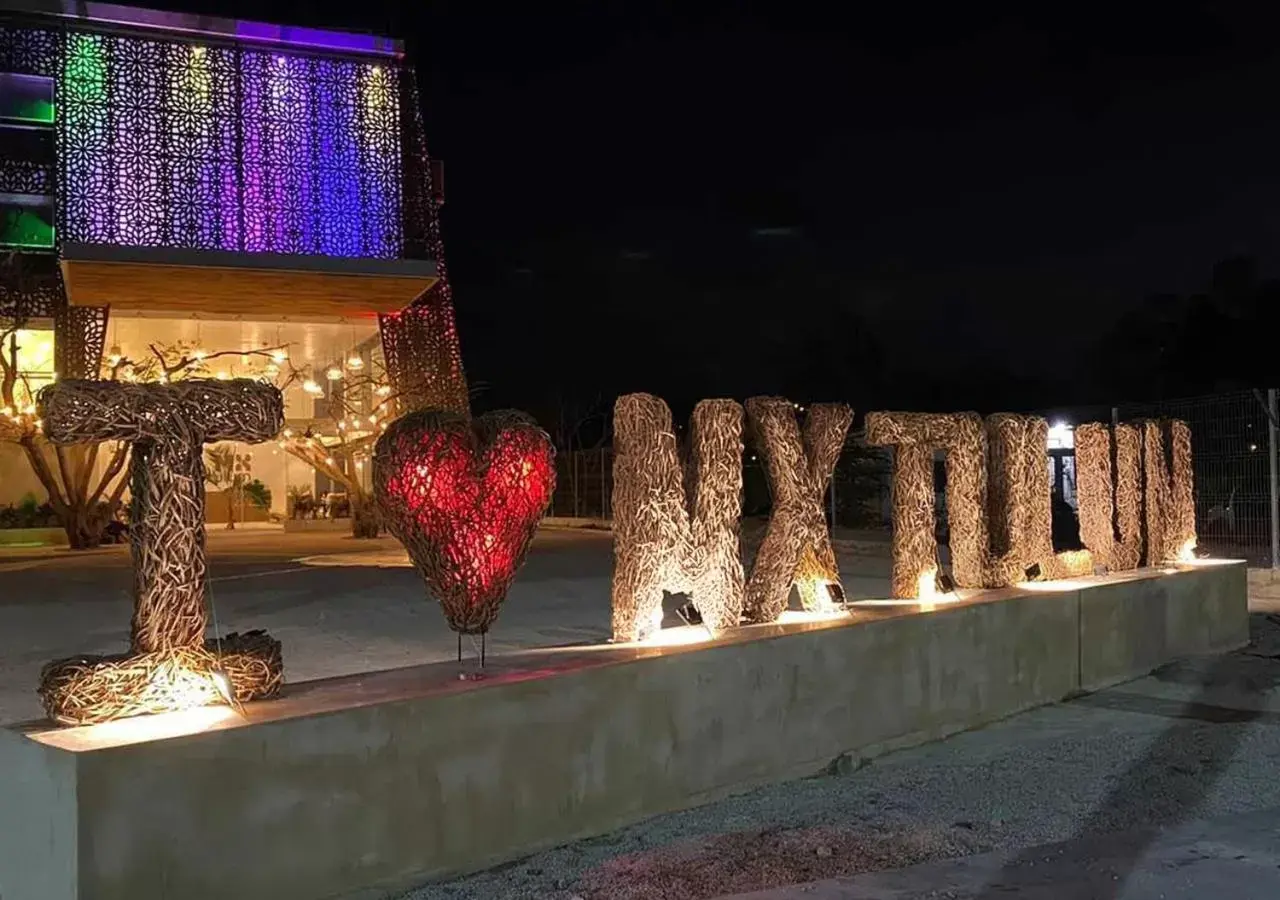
258	32
172	144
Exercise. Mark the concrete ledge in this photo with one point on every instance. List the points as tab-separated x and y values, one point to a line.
577	522
1129	628
366	785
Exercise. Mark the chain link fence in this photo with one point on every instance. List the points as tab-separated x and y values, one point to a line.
1233	448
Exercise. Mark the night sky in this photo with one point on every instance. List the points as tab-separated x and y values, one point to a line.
897	209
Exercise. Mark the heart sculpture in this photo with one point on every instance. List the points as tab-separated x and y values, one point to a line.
464	496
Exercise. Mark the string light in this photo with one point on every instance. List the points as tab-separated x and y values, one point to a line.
355	362
334	373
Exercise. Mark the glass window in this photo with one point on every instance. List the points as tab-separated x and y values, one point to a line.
35	362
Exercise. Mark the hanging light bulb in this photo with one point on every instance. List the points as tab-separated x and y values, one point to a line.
334	373
279	355
311	387
383	390
373	420
355	362
288	432
114	355
199	354
223	375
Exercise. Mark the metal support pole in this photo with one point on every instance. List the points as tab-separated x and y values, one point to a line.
1115	416
1272	449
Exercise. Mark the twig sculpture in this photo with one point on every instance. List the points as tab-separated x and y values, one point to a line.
465	496
998	499
1136	492
170	666
915	437
663	539
797	543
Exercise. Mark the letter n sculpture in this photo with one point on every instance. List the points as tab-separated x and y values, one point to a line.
170	666
665	541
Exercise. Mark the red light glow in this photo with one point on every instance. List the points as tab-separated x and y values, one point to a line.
465	499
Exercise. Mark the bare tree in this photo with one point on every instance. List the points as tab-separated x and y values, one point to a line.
84	498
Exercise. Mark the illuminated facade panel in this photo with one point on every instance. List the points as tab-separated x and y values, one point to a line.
176	144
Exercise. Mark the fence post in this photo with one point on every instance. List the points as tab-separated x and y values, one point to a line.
1272	449
1115	416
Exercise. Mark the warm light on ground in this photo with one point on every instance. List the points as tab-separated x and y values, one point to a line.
677	637
927	586
1052	587
796	616
141	728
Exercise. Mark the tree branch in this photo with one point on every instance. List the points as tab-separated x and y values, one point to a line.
117	462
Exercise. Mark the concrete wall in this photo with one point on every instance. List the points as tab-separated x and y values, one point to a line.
367	785
1128	629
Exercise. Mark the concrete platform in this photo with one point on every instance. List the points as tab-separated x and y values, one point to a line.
363	785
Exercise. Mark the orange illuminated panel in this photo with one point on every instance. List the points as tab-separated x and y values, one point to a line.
212	283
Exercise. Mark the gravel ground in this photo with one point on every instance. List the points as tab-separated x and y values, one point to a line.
1139	754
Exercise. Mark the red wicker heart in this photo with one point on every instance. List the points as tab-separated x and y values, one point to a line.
464	497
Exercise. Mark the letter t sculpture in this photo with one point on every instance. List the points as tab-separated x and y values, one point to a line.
169	665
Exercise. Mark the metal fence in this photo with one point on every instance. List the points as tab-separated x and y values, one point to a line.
857	498
1233	445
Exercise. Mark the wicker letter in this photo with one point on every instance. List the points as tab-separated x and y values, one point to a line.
1109	484
1095	491
915	437
797	543
1127	553
170	665
664	539
1168	491
1021	505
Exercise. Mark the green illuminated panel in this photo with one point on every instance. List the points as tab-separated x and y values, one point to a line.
26	98
24	227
